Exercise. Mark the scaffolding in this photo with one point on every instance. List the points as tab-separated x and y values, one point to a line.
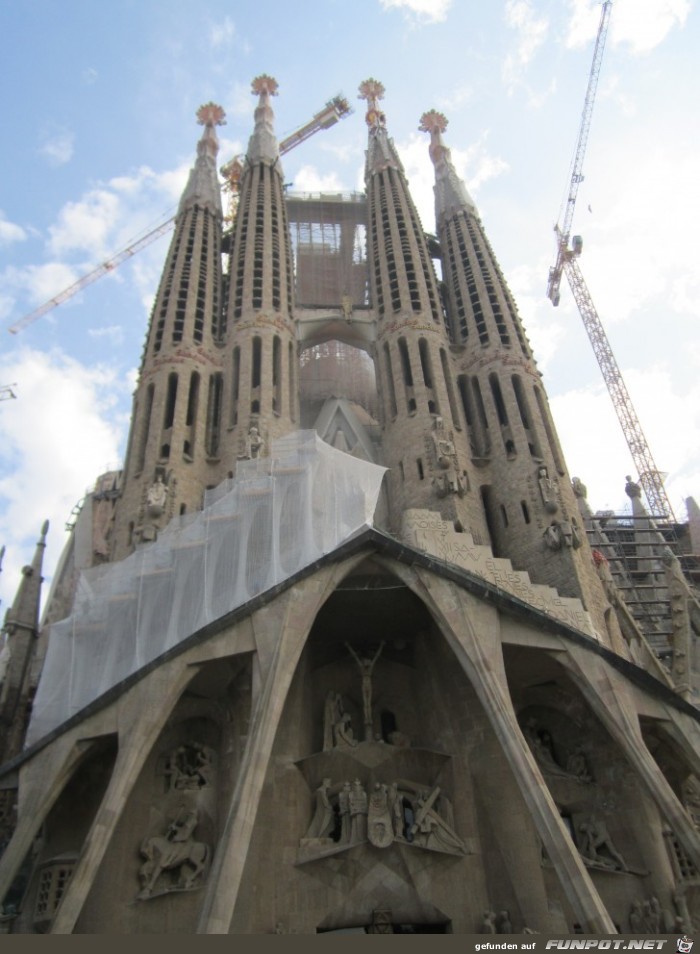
328	233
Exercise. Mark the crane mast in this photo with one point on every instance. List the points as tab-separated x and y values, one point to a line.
566	263
563	232
334	110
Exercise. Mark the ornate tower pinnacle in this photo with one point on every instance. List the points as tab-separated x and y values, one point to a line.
381	153
262	146
372	90
203	185
450	191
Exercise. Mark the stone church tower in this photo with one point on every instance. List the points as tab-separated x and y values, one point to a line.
343	648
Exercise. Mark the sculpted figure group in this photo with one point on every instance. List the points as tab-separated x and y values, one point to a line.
401	811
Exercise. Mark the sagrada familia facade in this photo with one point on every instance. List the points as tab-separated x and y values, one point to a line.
343	648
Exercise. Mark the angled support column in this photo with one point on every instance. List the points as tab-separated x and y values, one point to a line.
40	788
608	694
481	657
303	604
135	744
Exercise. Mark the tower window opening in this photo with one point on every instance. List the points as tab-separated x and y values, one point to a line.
498	399
256	364
525	416
214	414
405	360
145	427
447	377
191	417
424	354
504	515
391	390
170	401
292	383
235	385
276	375
549	430
526	511
419	466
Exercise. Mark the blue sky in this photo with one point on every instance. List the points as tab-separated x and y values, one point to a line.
99	132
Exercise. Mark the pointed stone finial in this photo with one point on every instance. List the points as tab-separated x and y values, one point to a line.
450	192
203	186
372	90
262	146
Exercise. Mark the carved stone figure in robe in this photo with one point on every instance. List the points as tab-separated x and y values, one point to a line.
156	497
344	810
380	831
358	812
255	443
553	537
332	711
548	490
323	822
449	480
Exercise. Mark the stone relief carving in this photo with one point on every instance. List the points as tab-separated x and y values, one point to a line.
596	846
174	860
542	746
504	923
449	479
337	723
157	505
189	767
561	534
382	922
548	489
690	796
366	666
400	811
255	443
156	497
649	917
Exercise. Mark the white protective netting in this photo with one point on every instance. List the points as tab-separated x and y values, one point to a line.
276	516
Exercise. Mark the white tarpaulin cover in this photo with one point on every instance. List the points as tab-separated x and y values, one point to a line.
277	515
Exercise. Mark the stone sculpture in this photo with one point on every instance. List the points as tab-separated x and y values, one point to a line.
596	846
189	767
366	666
176	853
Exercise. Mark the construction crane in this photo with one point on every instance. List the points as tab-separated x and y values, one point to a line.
568	251
334	110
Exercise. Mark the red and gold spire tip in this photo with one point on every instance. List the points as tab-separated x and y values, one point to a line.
433	121
264	84
372	90
211	114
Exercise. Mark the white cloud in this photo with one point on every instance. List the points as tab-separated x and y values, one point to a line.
56	438
221	34
530	31
111	334
309	179
35	283
426	11
57	147
639	24
90	76
9	232
85	225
